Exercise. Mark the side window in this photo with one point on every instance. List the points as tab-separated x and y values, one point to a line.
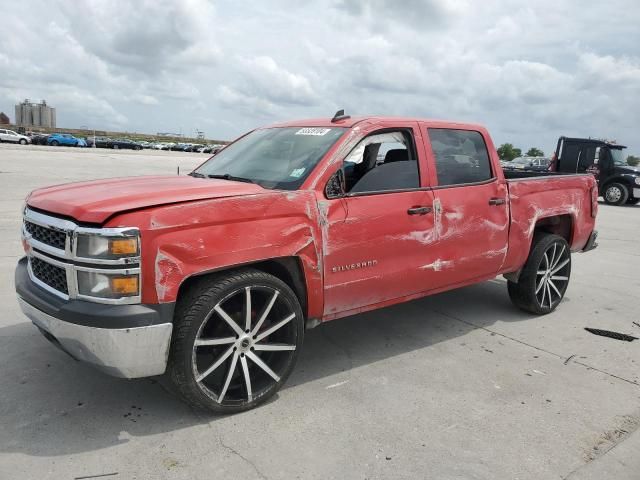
587	156
382	161
461	156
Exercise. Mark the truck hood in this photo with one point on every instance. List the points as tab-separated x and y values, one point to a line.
96	201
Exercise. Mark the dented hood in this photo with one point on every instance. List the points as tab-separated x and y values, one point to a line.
96	201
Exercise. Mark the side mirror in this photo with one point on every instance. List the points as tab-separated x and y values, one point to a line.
335	186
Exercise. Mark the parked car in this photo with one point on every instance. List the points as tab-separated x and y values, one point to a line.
618	182
125	143
538	164
106	142
217	149
10	136
212	278
534	164
39	138
67	139
99	142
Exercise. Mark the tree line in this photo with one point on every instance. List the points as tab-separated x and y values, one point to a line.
508	152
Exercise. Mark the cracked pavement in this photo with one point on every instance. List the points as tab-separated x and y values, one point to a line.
455	386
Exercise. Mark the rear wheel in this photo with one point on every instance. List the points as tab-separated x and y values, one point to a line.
545	276
616	194
236	340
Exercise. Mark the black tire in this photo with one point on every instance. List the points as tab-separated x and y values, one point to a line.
633	201
227	377
23	141
544	277
55	143
616	194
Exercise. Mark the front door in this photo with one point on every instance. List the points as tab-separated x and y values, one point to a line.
378	238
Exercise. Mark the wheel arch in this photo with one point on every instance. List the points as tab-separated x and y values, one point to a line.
287	269
621	179
561	225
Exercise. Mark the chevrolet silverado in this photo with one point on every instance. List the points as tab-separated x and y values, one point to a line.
212	278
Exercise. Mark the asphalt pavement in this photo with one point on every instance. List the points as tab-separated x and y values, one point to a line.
460	385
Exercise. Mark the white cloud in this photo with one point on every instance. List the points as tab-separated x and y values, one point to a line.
530	72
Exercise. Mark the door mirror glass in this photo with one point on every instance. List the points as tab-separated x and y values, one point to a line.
335	185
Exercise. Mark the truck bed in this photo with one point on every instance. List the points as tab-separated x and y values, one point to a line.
561	202
515	174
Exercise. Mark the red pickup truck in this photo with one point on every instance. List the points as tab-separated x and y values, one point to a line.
212	278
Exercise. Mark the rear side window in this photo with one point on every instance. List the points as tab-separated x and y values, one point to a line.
460	155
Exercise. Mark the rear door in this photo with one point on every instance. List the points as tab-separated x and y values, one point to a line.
472	209
379	237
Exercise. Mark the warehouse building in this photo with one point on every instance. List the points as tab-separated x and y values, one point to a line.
35	114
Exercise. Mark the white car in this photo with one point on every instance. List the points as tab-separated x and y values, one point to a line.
13	137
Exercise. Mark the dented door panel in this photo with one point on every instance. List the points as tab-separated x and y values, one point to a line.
374	250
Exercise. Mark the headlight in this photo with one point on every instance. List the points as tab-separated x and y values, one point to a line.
108	248
108	285
637	180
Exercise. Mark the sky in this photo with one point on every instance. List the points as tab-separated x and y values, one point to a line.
529	71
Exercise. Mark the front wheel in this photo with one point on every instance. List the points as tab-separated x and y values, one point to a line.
23	141
544	277
616	194
55	143
236	340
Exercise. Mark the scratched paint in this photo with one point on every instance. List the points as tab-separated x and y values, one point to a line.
438	265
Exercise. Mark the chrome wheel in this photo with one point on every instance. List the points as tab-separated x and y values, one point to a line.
245	345
552	276
613	194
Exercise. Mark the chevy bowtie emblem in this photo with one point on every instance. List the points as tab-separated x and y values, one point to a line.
354	266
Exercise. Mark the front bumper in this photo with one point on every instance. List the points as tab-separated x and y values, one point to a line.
128	341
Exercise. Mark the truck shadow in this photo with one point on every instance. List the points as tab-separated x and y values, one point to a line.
53	406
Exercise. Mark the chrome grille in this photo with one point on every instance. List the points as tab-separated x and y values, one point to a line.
45	235
51	275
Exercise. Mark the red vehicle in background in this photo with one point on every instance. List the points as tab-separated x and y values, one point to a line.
212	278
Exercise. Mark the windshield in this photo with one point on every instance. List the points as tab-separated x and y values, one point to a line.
522	161
618	157
278	158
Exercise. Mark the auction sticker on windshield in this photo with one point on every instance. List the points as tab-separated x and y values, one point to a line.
318	132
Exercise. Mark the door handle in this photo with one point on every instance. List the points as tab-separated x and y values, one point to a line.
497	201
419	210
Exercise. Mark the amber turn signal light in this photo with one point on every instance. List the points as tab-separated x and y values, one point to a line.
123	246
125	285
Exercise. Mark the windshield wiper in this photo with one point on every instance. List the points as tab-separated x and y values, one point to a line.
196	174
226	176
